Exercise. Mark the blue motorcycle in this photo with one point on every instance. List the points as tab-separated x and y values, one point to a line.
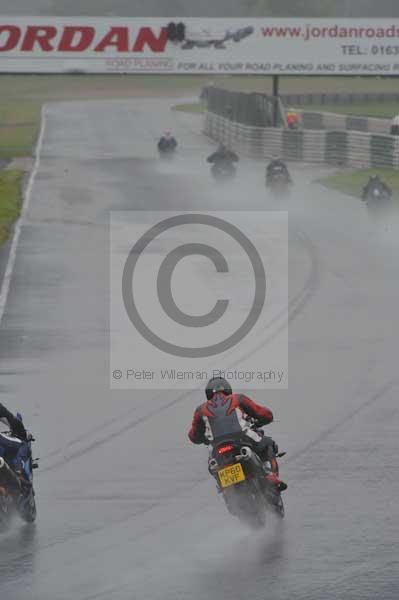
17	495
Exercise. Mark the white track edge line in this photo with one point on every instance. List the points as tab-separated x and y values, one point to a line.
5	286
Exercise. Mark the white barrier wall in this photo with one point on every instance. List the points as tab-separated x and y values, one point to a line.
331	121
346	148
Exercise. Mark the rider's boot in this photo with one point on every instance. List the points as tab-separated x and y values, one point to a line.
273	477
25	484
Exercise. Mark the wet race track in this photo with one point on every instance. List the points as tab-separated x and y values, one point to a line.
126	509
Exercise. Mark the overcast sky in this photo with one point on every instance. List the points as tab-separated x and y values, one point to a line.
146	8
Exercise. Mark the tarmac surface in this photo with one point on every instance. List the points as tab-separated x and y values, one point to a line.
126	509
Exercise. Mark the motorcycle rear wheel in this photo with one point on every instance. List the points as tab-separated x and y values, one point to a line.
27	508
5	515
247	503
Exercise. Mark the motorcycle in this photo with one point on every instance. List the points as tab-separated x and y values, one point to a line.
223	171
279	182
17	495
241	478
379	204
167	150
168	153
378	199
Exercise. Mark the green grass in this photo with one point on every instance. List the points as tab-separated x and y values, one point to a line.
17	140
41	88
78	86
10	201
352	182
19	124
64	87
193	107
368	110
308	85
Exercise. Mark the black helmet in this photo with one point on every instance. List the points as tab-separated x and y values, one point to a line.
217	384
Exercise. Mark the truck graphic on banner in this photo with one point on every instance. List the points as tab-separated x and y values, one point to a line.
205	37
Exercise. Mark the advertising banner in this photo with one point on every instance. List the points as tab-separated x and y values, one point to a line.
199	46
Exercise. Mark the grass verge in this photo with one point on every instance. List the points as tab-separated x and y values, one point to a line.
362	110
387	111
352	182
194	107
19	124
10	201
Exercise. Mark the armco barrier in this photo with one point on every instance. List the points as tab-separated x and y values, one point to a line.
382	150
358	149
314	143
356	123
247	109
379	125
332	121
344	148
272	143
256	110
318	120
312	120
340	99
336	148
293	142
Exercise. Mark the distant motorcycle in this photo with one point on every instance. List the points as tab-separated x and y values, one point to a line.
241	479
223	171
378	199
279	181
167	154
17	495
167	147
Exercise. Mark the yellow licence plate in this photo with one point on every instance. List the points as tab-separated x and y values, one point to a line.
231	475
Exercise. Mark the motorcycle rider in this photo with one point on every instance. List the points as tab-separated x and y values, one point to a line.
375	181
292	119
223	155
167	142
277	165
225	413
15	451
